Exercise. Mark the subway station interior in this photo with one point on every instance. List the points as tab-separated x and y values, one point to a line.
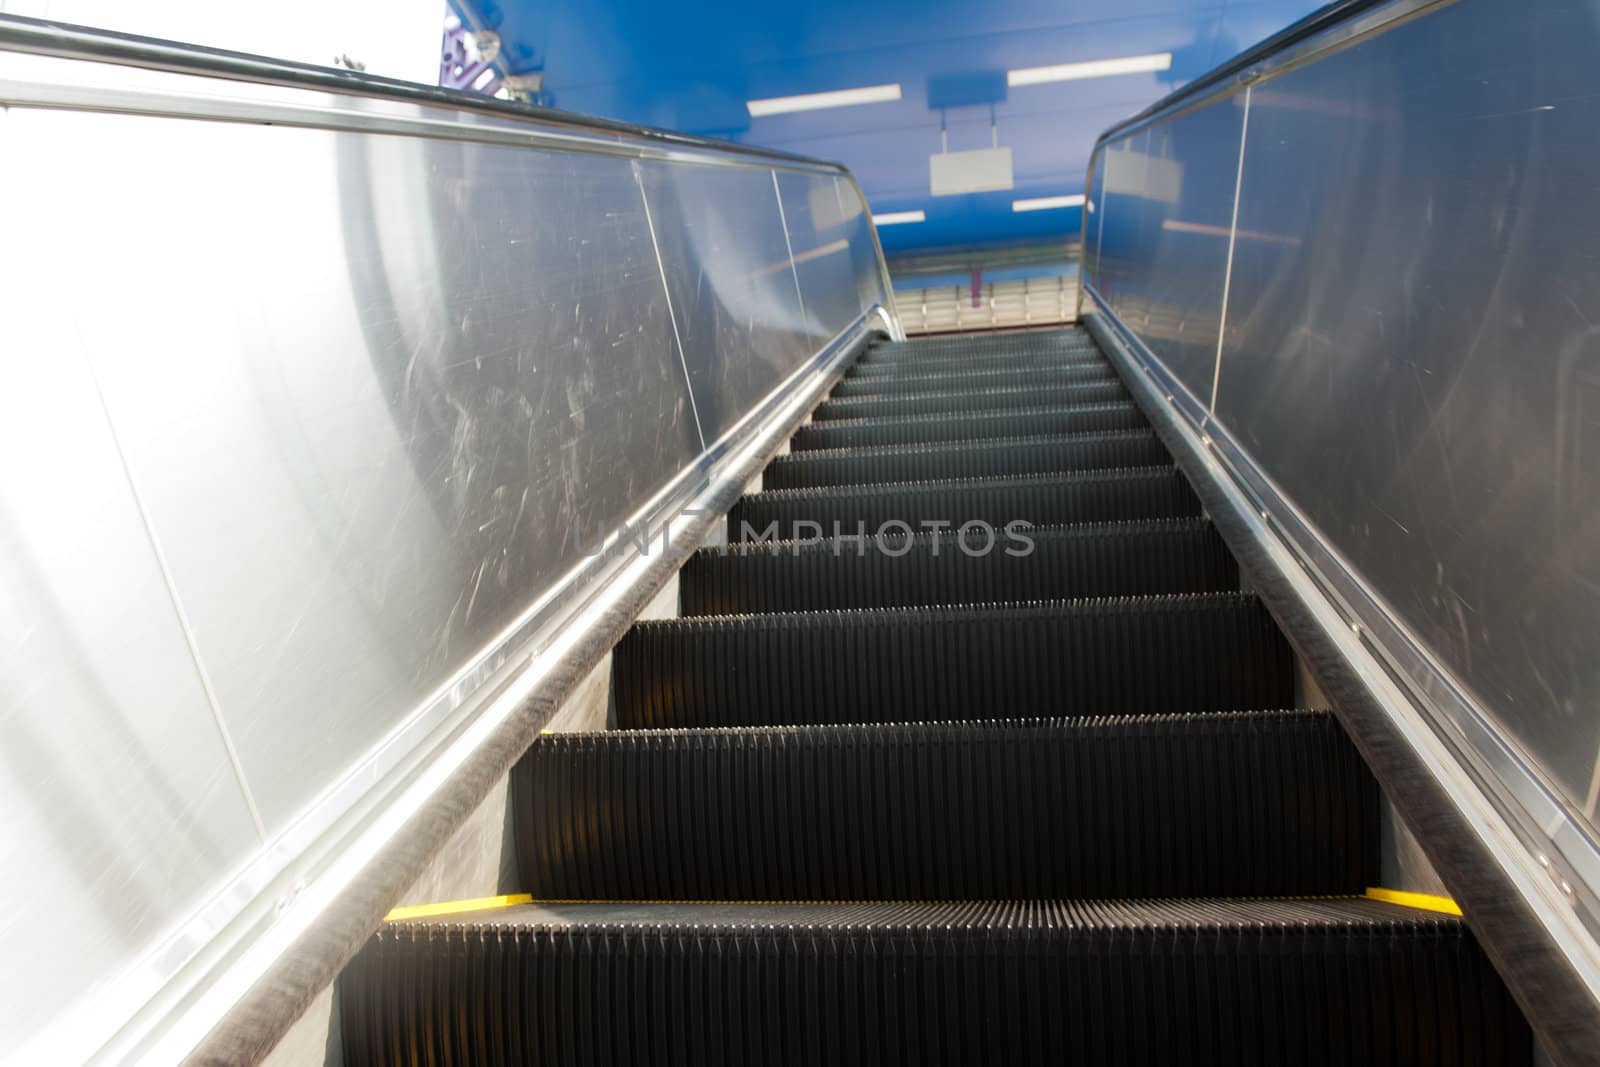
619	533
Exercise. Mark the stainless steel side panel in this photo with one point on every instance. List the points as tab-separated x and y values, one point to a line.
121	808
866	258
393	403
315	409
1409	360
1093	216
1166	231
1413	346
1119	215
734	292
819	235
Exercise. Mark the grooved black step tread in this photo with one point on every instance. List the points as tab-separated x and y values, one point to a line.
997	458
994	398
1020	361
1016	422
1062	334
921	350
927	727
1135	656
1060	563
1246	804
1042	500
1249	982
961	381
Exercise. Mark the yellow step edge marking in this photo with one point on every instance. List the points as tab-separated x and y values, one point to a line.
455	907
740	903
1425	901
834	901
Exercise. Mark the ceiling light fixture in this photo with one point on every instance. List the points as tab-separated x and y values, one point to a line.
780	105
1045	203
894	218
1094	68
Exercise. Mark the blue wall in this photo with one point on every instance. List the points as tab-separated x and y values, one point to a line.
692	67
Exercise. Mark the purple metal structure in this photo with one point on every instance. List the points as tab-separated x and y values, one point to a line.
463	62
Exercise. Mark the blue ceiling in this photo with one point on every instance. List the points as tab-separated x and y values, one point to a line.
692	67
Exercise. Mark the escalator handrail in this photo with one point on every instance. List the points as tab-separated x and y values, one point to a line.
1241	67
61	40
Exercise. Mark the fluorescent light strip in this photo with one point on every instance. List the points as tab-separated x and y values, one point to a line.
1094	68
1045	203
894	218
780	105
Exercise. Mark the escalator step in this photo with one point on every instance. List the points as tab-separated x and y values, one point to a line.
1216	982
1040	363
1248	804
1043	500
1136	656
965	380
922	429
1054	334
1039	394
996	458
1063	563
979	347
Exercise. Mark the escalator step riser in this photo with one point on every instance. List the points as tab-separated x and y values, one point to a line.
927	429
1122	657
935	371
979	400
1251	994
1140	559
1260	804
978	347
966	381
998	458
1088	496
1055	335
1012	359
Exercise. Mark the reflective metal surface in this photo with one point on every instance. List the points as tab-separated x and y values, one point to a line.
121	808
866	256
1093	218
1408	363
1545	946
432	396
1164	251
734	289
309	429
1414	347
819	227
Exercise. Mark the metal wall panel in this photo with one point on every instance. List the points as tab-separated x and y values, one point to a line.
819	231
1410	348
1093	217
306	411
734	291
380	414
866	263
1167	236
1119	229
121	808
1412	344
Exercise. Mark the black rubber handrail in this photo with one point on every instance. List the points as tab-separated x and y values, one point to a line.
1324	18
63	40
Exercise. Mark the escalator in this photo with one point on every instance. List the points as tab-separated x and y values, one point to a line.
967	748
